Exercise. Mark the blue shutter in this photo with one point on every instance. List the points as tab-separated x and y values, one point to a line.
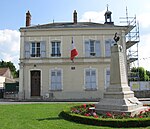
27	49
87	79
107	48
107	78
59	84
53	76
97	48
87	49
43	48
93	79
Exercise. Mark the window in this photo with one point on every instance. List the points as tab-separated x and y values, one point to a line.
90	79
56	80
108	44
35	49
55	49
107	78
92	48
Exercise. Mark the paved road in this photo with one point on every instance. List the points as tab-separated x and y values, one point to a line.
9	101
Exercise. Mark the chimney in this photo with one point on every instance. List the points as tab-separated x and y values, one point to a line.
75	17
28	19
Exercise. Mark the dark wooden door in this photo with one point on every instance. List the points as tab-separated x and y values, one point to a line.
35	83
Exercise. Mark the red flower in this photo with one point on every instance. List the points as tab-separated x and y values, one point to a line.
86	114
140	116
108	114
123	114
96	116
84	105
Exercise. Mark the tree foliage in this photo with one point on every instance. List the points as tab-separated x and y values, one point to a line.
11	66
139	74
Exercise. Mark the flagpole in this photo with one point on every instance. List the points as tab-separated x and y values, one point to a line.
74	51
72	47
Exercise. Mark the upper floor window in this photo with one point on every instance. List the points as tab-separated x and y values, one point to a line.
90	79
35	49
108	44
55	45
92	48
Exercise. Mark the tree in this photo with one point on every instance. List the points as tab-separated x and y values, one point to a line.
148	73
143	74
11	66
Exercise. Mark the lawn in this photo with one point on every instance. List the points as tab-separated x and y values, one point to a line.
38	116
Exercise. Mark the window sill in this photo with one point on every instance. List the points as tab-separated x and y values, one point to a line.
55	55
56	90
91	89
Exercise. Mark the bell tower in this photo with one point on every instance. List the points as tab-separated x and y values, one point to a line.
107	15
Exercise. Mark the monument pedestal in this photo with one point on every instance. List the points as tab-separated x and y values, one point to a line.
118	96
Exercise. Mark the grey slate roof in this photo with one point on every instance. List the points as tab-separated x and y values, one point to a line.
71	25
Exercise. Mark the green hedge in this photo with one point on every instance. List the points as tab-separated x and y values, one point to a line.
131	122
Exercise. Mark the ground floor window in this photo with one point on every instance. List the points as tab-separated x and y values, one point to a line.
90	79
56	80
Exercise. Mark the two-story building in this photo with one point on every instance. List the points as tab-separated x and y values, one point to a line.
46	70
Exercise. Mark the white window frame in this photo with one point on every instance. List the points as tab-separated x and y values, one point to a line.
31	48
55	54
96	87
50	82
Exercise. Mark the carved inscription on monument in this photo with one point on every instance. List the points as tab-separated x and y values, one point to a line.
122	68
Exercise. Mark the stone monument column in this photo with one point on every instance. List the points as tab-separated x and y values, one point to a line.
118	96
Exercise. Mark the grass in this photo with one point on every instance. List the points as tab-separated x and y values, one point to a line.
39	116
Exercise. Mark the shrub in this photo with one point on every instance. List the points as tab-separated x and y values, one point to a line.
82	114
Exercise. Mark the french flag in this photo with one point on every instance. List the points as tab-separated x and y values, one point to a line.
74	51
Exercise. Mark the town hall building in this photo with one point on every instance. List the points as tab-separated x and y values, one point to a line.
46	71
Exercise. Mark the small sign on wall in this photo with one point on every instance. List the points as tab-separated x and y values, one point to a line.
73	68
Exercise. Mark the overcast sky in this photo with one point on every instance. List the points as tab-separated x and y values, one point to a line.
12	17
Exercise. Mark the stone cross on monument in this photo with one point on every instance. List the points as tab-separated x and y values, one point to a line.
118	96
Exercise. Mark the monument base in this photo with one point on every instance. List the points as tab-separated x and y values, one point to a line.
126	105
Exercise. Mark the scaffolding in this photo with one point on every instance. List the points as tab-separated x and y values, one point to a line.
132	40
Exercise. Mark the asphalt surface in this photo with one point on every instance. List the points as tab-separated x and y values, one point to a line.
10	101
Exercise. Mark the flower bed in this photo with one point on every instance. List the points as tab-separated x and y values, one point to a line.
86	114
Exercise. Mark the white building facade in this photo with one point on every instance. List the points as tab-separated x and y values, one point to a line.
46	71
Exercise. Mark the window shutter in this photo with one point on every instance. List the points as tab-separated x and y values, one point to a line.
59	86
87	49
107	81
87	79
43	49
97	48
93	79
53	75
27	49
107	48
